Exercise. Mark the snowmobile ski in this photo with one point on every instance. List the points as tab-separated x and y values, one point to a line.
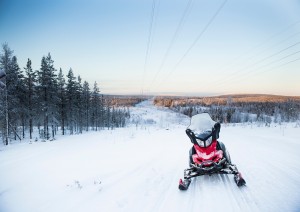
239	180
184	184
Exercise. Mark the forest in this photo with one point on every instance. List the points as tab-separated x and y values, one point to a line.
238	108
47	102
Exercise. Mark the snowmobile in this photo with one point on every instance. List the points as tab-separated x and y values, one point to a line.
208	155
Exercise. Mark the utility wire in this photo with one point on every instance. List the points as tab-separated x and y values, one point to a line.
266	41
256	71
197	39
179	27
268	70
254	64
148	42
277	44
221	81
294	53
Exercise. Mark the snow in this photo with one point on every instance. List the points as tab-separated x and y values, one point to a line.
137	168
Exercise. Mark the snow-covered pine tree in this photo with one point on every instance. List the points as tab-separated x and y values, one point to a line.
18	92
95	107
5	65
86	104
47	92
62	100
79	105
102	108
71	93
14	96
30	93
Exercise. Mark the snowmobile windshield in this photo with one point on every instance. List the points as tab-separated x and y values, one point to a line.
202	125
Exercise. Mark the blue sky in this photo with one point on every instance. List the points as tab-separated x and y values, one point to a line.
249	46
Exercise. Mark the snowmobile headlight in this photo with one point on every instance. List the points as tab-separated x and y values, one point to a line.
204	139
208	141
205	143
200	142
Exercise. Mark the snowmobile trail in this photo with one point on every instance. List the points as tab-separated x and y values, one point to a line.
138	168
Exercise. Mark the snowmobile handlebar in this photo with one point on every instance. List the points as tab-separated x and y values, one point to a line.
215	166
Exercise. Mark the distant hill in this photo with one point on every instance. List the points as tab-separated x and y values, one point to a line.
168	101
237	108
124	100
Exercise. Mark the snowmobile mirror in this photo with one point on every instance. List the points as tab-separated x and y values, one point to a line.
2	74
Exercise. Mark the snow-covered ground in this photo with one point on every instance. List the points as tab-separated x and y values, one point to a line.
138	168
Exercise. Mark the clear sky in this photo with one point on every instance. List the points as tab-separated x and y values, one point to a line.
192	47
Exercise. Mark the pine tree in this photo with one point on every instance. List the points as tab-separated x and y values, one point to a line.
14	93
47	94
86	104
30	83
20	95
71	92
5	65
95	103
79	105
62	100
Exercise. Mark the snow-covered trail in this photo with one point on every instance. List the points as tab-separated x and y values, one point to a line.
137	169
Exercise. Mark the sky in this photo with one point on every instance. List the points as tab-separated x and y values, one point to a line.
172	47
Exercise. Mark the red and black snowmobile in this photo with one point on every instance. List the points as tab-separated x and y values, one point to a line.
208	155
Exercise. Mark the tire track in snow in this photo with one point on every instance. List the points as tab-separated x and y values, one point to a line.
249	198
164	192
192	194
158	182
276	184
275	174
25	157
231	194
168	188
242	194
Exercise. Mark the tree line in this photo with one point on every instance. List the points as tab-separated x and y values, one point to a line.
46	101
238	111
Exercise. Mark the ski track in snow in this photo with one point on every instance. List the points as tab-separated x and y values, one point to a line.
138	168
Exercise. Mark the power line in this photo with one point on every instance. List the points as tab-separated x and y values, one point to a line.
294	53
277	53
268	40
179	27
148	42
197	39
256	71
268	70
229	78
257	46
268	48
